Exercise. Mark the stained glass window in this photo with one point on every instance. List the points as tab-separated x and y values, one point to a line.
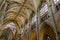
43	10
55	1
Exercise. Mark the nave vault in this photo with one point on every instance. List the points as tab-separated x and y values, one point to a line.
29	20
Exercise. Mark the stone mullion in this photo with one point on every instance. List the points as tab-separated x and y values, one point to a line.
37	24
29	29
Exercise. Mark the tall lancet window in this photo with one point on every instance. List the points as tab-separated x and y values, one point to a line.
43	10
55	1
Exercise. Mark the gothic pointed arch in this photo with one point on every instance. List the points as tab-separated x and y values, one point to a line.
33	35
47	32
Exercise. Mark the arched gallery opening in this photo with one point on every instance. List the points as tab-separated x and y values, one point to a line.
47	32
34	37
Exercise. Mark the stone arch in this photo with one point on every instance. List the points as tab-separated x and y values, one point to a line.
58	23
47	32
33	35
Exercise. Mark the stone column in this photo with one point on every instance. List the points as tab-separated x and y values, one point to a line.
53	6
51	12
37	23
28	33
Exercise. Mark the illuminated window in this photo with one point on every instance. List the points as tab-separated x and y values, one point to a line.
55	1
43	10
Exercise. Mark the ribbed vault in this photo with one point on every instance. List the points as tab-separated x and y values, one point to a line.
21	10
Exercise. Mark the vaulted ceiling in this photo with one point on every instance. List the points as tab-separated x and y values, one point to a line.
18	11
